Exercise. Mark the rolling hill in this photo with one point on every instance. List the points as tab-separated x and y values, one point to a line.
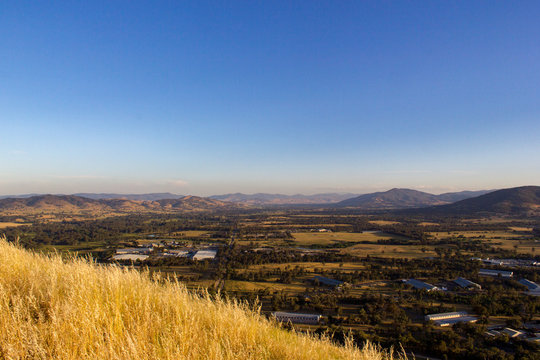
405	198
78	204
138	197
103	196
392	199
524	200
462	195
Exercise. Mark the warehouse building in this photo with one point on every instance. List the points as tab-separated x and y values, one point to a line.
327	281
297	318
137	250
204	254
131	257
534	288
450	318
417	284
501	273
467	284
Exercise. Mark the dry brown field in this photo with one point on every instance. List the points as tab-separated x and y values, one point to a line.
4	225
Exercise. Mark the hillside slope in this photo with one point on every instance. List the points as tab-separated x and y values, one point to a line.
55	309
138	197
461	195
46	203
405	198
391	199
78	204
524	200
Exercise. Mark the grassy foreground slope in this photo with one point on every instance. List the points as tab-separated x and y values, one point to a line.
56	309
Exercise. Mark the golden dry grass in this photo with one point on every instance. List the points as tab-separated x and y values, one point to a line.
52	308
384	222
4	225
427	223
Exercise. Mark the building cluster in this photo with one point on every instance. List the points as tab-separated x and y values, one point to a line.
138	253
158	251
529	334
509	262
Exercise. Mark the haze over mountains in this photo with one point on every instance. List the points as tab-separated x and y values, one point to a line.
281	199
395	198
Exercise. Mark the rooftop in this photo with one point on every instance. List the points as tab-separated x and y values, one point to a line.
421	285
466	283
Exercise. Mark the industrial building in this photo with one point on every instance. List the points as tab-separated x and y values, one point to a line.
204	254
501	273
327	281
534	288
450	318
137	250
178	253
512	333
417	284
467	284
297	318
132	257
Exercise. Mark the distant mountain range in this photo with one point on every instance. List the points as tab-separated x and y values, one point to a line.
405	198
521	200
395	198
79	204
280	199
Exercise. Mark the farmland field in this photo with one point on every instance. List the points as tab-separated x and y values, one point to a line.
327	238
4	225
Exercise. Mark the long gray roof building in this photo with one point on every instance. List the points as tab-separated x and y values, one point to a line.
417	284
464	283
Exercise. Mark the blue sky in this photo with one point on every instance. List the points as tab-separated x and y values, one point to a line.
266	96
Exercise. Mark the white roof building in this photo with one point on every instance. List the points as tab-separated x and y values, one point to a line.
178	253
137	250
450	318
205	254
132	257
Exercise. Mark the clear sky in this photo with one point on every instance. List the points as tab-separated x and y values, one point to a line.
268	96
